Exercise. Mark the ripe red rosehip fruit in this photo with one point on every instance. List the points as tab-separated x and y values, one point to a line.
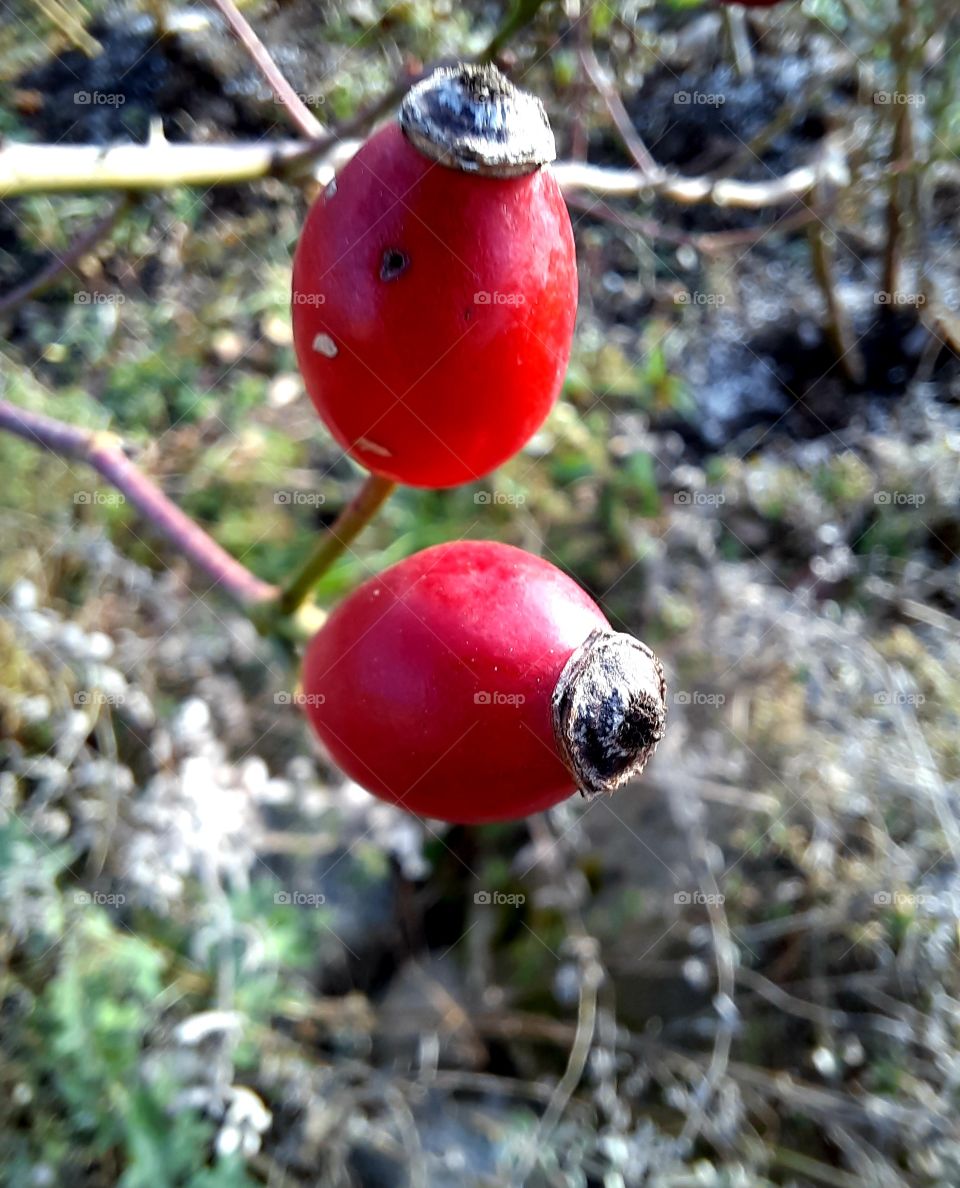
435	284
475	682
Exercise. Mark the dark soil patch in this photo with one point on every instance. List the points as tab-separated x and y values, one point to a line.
138	78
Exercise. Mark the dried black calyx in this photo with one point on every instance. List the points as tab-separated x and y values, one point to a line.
609	710
473	118
393	264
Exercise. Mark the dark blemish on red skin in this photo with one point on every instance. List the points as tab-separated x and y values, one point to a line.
394	263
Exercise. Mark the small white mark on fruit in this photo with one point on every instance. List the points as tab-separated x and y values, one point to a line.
331	190
364	443
325	345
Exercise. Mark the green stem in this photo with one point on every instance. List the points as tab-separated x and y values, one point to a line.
837	325
518	18
351	521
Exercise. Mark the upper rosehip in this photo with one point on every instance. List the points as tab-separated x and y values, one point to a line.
435	284
475	682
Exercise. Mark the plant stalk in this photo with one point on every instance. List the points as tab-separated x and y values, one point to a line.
837	324
348	525
104	453
299	113
901	152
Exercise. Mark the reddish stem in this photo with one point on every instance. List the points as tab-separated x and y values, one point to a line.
299	113
107	458
642	157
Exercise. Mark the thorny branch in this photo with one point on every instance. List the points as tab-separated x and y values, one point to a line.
57	168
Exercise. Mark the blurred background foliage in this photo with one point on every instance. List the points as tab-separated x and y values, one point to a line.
219	964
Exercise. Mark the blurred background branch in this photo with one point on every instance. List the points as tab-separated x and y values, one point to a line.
106	455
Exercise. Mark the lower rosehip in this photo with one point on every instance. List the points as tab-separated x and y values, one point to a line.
475	682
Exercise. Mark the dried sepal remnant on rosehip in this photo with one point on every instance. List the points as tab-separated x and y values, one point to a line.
475	682
609	710
473	118
435	284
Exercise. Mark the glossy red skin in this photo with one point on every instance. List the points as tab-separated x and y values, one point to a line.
445	389
391	679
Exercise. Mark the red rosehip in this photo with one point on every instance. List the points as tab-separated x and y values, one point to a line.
434	296
475	682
